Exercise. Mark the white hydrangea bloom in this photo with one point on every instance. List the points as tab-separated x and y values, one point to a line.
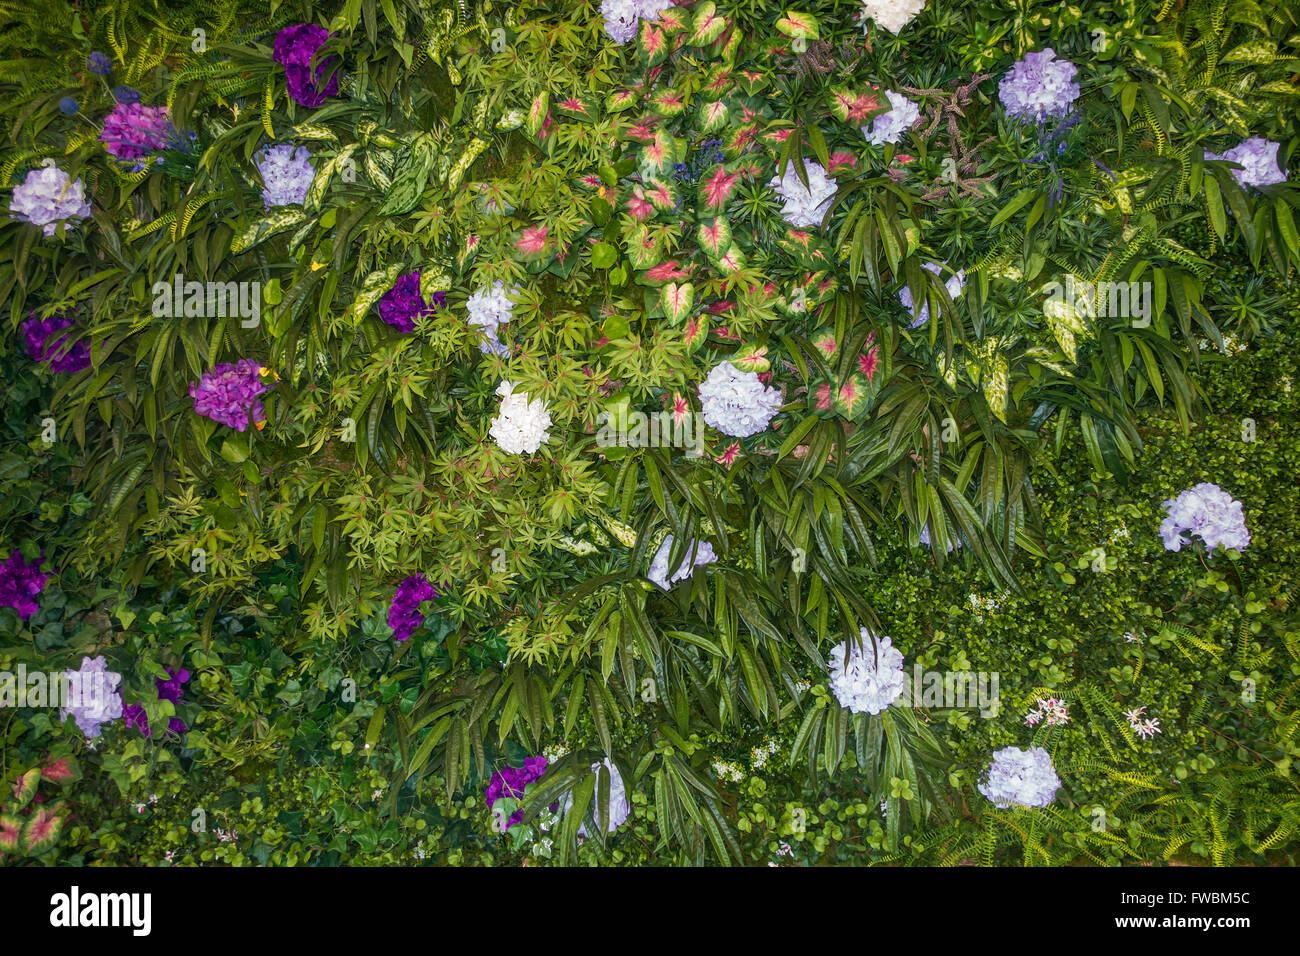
893	15
658	572
520	426
1026	777
890	127
489	309
737	403
804	206
867	679
619	805
622	17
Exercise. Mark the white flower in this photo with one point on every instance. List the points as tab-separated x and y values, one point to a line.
1208	512
619	806
520	426
287	174
623	16
737	403
867	678
893	15
658	572
955	285
488	309
804	205
890	127
1026	777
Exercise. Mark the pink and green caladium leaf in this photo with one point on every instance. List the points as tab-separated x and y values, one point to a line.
578	107
713	116
731	261
671	270
533	244
668	103
658	157
826	345
714	237
621	100
720	81
795	24
856	106
652	44
717	186
640	130
707	25
676	300
643	248
697	332
751	82
751	358
821	398
853	397
468	251
42	829
11	832
673	20
25	789
661	195
62	770
537	112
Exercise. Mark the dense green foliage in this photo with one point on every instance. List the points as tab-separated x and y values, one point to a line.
491	142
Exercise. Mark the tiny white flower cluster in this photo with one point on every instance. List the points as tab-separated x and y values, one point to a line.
554	752
759	755
520	426
984	605
804	205
866	678
1144	727
1051	712
726	770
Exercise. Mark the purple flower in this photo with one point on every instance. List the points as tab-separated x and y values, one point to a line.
93	698
1039	86
126	94
287	174
132	131
402	304
20	583
37	332
1208	512
47	197
511	781
99	64
229	392
294	48
404	615
1258	158
169	689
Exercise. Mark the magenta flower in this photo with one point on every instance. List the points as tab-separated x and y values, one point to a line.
404	615
229	392
20	583
132	131
402	304
38	331
511	781
294	48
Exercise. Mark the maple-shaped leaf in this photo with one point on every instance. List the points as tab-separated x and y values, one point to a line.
714	116
714	237
677	299
855	106
532	243
795	24
620	100
42	829
707	25
667	271
716	189
731	261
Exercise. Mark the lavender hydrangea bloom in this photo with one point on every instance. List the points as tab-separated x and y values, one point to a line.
890	127
955	284
293	49
46	198
229	392
169	689
804	205
37	332
132	131
404	615
658	572
403	304
867	679
94	699
1208	512
511	781
1039	86
619	805
489	309
1026	777
953	540
287	174
622	17
20	583
1258	158
737	403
